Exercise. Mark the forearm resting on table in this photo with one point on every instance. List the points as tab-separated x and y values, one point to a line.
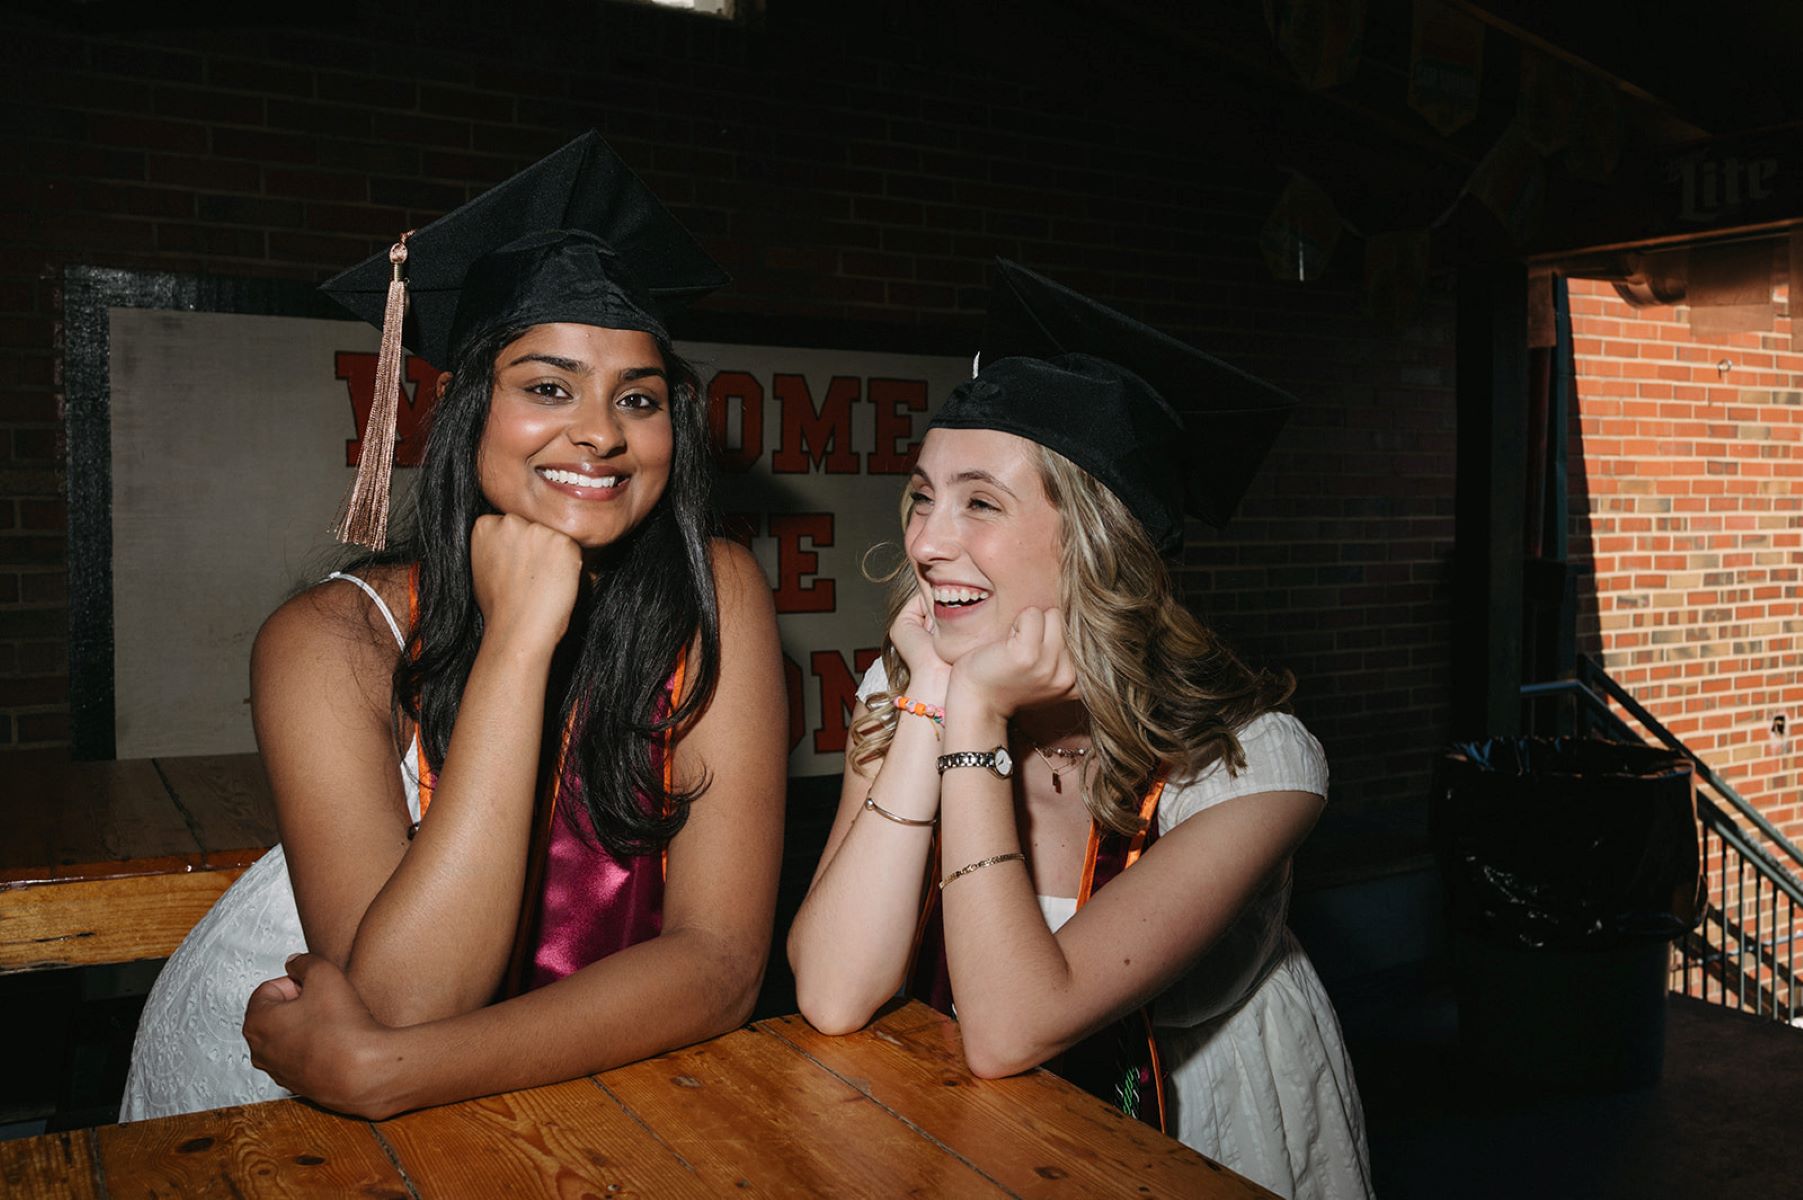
850	941
851	956
681	987
435	940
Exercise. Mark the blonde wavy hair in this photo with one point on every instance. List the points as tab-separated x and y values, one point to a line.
1164	694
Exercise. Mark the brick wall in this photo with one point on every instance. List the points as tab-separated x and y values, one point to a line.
1689	506
846	163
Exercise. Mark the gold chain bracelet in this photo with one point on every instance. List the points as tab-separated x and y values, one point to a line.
1017	856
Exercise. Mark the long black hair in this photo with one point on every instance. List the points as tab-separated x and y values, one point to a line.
654	593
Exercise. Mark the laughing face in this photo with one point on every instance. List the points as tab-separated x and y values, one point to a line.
578	435
981	535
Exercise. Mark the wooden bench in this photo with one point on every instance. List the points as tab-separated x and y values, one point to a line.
112	862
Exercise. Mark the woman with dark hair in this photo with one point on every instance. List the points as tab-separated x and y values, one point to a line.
530	809
1068	808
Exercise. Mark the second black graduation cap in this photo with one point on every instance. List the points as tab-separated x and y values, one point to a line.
574	237
1165	427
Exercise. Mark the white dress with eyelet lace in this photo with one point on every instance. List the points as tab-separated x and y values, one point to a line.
1257	1073
190	1053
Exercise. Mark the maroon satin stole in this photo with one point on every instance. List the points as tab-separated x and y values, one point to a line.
1119	1063
580	903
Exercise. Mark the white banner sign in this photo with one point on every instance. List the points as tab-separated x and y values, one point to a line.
234	437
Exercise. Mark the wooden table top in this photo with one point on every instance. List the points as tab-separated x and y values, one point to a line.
775	1109
107	862
68	820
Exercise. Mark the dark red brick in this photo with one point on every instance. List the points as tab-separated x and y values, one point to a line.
208	104
461	102
42	728
205	174
374	157
263	77
363	219
318	248
339	54
342	186
414	130
43	515
146	133
416	194
265	147
27	406
28	623
35	691
139	61
251	210
42	657
367	91
46	587
306	116
89	235
224	241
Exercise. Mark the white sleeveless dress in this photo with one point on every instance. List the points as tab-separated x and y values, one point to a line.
1258	1076
190	1053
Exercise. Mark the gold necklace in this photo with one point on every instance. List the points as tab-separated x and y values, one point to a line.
1072	755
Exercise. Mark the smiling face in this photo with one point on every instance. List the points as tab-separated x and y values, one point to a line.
983	539
578	435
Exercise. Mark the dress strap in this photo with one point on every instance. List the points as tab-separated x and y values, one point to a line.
400	639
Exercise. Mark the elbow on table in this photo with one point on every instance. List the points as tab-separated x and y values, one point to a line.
834	1014
737	1009
998	1053
734	984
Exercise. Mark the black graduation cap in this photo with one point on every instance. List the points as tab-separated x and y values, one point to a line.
574	237
1165	427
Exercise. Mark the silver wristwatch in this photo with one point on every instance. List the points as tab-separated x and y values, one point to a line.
998	760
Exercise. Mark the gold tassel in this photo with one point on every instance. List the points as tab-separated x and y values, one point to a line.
364	519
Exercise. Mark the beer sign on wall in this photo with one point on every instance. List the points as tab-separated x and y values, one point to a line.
233	437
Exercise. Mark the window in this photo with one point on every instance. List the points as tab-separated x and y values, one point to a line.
710	8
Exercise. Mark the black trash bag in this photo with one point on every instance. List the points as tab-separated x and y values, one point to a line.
1567	843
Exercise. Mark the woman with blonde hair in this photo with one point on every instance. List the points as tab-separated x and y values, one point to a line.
1068	809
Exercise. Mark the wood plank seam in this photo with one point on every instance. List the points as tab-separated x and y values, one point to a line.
97	1169
865	1092
642	1124
399	1167
175	798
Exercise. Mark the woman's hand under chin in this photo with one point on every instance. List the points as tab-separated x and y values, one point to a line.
314	1035
912	634
526	577
1029	667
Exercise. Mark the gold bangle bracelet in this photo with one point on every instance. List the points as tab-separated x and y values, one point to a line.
1017	856
871	804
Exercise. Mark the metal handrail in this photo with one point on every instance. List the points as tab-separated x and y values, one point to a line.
1707	810
1769	984
1589	672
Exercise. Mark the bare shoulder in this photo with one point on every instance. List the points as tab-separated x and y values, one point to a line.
334	631
750	652
738	580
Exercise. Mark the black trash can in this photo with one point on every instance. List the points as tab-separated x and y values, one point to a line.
1570	865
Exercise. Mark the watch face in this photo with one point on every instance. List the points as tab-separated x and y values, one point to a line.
1004	762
